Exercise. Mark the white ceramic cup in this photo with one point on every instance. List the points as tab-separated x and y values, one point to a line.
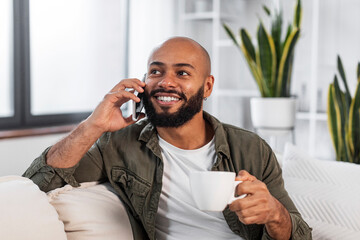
213	190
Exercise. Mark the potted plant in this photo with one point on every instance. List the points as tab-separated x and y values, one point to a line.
344	117
270	63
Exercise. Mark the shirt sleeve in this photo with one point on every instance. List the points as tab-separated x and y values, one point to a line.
300	230
275	183
90	168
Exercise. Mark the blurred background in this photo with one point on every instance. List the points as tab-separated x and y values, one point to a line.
58	58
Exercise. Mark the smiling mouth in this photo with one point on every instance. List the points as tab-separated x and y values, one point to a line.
167	99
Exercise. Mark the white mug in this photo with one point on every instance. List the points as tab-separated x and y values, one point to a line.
213	190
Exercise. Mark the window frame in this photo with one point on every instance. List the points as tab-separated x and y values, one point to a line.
22	118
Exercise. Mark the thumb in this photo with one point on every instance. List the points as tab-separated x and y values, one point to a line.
129	120
245	176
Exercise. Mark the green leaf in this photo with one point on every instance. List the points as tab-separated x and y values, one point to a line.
358	72
267	10
354	124
267	57
246	41
333	119
340	106
255	70
285	65
276	27
347	145
298	14
265	92
343	78
231	35
288	32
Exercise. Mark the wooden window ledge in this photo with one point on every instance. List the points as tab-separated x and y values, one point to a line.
36	131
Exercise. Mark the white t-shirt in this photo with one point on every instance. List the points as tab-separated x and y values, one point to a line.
177	216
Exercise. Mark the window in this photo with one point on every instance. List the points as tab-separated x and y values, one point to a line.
67	55
6	59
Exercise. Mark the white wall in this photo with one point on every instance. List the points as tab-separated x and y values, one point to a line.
16	154
151	22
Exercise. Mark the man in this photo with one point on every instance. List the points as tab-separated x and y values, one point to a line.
148	163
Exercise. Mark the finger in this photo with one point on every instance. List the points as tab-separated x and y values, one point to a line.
124	93
129	83
245	176
250	220
117	99
129	121
249	212
141	116
251	188
121	97
246	203
249	216
257	214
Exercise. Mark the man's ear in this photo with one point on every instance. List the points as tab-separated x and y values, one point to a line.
208	86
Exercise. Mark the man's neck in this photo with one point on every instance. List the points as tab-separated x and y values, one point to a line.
192	135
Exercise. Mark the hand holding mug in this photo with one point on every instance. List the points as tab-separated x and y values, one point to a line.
259	207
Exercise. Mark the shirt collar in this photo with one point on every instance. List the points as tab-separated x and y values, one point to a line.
149	135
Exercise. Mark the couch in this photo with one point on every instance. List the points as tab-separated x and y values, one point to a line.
327	193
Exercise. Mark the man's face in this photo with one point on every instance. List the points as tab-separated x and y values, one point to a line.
186	111
174	85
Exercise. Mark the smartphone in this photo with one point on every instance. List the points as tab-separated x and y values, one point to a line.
138	106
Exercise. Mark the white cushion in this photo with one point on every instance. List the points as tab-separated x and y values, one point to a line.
92	211
25	212
326	193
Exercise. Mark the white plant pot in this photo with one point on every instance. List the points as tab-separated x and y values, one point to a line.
273	113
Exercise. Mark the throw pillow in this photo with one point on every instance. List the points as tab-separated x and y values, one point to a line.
25	212
91	212
326	193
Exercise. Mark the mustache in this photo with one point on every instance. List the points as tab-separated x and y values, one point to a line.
182	95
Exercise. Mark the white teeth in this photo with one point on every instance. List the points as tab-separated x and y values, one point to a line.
167	99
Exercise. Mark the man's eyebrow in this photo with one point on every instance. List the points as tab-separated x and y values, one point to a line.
175	65
184	65
157	63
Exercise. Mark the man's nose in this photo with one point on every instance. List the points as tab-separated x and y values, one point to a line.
168	81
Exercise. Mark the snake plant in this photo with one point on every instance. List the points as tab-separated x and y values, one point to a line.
271	62
344	117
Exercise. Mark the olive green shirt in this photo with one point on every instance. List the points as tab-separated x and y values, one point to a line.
131	160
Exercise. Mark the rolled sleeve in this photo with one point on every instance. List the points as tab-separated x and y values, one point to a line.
47	177
266	235
300	230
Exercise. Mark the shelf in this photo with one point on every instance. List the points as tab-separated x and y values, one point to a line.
198	16
311	116
206	16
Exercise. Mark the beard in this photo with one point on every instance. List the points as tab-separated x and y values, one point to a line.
185	113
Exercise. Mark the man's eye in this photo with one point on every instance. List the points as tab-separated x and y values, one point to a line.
155	71
183	73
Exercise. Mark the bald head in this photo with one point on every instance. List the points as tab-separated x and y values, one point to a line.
186	46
